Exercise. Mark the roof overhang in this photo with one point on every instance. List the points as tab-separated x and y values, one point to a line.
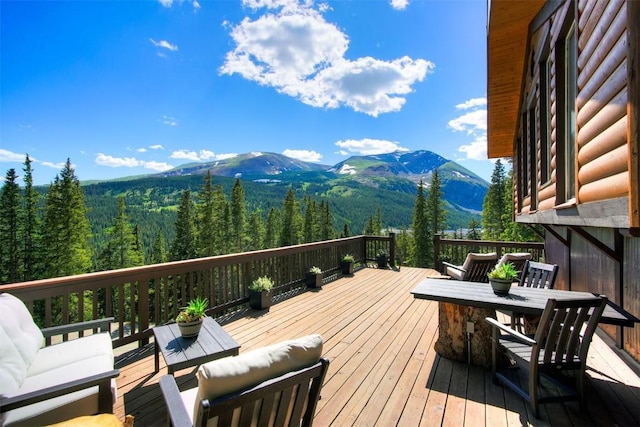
508	29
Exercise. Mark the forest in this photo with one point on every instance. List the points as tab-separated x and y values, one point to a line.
68	228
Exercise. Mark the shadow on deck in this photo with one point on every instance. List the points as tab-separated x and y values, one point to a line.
383	369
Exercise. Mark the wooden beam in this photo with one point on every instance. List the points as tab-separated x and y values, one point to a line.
633	111
614	254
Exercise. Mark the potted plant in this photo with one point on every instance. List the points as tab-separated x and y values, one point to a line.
260	293
382	259
502	277
313	277
190	318
347	264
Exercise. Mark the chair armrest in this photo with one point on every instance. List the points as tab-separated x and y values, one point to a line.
504	328
102	324
13	402
176	412
457	267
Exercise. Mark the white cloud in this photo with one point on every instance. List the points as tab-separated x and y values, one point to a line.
156	147
202	155
57	166
158	166
129	162
196	6
472	103
10	157
169	121
367	147
474	123
141	150
166	3
476	150
300	54
117	162
471	122
399	4
304	155
164	44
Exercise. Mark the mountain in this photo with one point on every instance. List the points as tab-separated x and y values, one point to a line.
251	164
354	189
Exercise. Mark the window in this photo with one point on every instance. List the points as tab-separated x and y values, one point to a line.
524	156
566	78
533	158
545	120
570	82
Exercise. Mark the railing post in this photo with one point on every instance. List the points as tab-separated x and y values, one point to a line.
143	310
392	249
436	252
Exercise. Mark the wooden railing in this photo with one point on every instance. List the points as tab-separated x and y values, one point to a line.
141	297
456	250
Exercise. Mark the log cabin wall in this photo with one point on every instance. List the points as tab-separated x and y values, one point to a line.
602	149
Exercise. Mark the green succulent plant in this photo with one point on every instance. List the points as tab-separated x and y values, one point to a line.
315	270
348	258
193	311
506	271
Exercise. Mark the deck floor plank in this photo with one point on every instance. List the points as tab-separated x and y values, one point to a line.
384	370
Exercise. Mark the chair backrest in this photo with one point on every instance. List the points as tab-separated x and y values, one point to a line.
538	275
561	337
518	259
477	266
288	400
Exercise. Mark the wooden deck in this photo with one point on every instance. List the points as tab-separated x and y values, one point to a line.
383	369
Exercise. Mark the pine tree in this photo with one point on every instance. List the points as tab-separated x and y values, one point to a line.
238	217
184	247
221	223
345	231
473	230
514	231
257	231
158	251
368	228
9	227
377	223
310	225
66	234
205	208
123	245
29	236
493	206
326	221
420	227
290	234
272	228
435	212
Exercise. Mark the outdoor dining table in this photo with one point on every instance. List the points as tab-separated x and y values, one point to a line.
464	335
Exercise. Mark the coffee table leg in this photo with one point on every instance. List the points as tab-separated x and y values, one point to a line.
157	355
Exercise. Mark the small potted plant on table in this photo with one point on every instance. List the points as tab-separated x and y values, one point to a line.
502	277
260	293
314	277
190	318
347	264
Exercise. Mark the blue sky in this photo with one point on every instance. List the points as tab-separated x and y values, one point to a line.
135	87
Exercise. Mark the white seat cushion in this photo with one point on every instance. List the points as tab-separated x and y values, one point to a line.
235	373
71	405
20	328
13	369
65	353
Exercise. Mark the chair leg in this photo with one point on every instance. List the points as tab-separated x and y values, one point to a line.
494	355
533	389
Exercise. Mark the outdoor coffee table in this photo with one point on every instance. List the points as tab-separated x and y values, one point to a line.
212	343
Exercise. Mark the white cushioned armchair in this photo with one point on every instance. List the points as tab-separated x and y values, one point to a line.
47	384
274	385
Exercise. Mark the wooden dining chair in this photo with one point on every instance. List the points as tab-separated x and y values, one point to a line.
534	275
559	345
